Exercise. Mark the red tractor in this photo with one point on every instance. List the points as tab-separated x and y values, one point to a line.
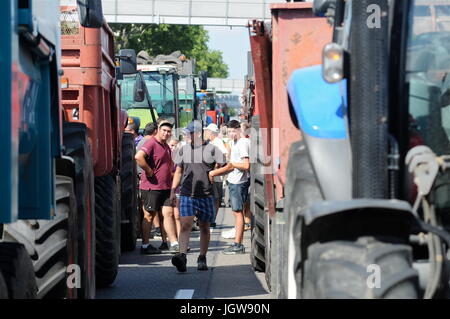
91	101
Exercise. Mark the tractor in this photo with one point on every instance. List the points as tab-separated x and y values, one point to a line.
367	205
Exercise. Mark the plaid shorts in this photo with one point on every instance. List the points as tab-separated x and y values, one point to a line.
203	208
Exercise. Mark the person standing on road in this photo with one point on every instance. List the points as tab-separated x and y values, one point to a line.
238	183
211	134
174	145
133	128
196	163
155	158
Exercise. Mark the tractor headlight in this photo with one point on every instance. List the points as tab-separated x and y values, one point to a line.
333	63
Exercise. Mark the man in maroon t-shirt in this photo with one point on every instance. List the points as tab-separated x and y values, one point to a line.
155	158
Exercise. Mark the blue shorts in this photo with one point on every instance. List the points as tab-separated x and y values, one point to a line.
203	208
238	195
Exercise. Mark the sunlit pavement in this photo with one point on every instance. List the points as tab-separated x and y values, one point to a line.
229	276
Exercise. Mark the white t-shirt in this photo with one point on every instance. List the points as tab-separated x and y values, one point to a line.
219	143
239	151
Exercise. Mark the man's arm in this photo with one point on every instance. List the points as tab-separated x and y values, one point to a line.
242	166
220	171
176	181
140	160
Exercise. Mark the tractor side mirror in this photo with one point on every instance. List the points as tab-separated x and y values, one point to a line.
203	80
139	89
320	7
127	61
91	13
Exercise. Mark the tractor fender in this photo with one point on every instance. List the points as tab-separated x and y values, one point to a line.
322	118
347	220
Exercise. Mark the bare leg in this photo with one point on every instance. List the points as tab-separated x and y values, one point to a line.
186	226
147	225
217	209
169	223
205	235
156	222
161	226
239	224
247	213
176	212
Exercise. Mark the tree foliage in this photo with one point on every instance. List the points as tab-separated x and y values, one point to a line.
164	39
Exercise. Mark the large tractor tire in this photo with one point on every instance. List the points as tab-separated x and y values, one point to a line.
77	147
301	190
66	207
51	245
342	270
107	230
257	204
128	177
17	270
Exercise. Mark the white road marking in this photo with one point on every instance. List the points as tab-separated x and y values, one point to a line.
184	294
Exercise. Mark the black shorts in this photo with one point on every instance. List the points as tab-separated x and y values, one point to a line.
154	200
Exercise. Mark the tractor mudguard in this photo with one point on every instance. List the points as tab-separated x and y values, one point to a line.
320	109
346	220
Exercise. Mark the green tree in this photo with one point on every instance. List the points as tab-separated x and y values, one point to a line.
156	39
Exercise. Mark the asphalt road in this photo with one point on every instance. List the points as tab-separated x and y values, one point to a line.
154	277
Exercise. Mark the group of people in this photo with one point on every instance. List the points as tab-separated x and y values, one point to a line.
182	181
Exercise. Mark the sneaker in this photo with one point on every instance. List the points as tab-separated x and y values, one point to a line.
201	262
234	249
247	226
174	249
213	225
158	232
180	261
164	246
231	234
195	227
150	250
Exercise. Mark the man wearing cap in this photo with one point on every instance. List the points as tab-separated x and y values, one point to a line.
155	158
211	134
195	162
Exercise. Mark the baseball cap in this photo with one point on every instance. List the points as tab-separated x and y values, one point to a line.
194	127
212	127
166	123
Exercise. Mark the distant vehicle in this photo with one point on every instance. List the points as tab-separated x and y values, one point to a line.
162	76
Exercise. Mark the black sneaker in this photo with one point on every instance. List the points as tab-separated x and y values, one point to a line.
174	249
201	262
158	232
164	246
180	261
213	225
234	249
150	250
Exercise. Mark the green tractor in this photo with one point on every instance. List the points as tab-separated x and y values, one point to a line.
169	82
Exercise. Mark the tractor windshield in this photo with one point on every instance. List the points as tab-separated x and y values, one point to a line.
428	73
161	90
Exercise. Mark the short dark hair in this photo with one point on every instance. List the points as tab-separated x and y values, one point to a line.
134	127
234	124
150	128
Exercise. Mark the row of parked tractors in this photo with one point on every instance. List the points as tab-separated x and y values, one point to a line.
68	178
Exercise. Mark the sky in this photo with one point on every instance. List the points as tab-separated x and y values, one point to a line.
234	44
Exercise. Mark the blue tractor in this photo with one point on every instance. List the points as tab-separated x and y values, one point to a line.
368	189
45	201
